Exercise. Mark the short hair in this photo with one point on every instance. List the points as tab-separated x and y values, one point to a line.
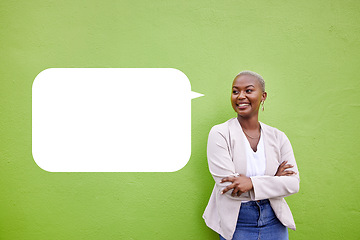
254	74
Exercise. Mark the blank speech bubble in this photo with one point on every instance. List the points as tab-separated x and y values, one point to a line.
111	119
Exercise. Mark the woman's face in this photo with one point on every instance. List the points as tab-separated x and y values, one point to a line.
247	95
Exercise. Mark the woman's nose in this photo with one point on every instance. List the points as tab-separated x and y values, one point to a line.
241	95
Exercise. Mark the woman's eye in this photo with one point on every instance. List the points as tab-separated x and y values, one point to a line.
249	90
235	92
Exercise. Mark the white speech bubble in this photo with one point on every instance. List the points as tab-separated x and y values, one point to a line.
111	119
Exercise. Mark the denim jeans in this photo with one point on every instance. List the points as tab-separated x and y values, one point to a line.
256	221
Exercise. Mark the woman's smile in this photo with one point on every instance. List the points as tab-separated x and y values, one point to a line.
242	106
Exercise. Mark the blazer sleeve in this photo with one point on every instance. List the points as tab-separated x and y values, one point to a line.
265	187
220	161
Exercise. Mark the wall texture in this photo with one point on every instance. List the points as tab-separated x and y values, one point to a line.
307	51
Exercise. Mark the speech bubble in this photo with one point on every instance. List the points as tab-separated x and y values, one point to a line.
111	119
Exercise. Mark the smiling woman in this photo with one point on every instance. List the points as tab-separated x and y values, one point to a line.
254	168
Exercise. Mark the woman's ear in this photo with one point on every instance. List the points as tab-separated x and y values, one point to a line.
264	95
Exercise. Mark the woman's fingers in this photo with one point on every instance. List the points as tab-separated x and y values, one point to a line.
231	186
287	173
224	180
287	166
240	184
227	188
283	164
282	169
227	179
236	191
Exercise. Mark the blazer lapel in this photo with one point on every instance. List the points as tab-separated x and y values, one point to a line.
237	141
271	160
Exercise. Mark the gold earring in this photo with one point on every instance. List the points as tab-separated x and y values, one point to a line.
262	105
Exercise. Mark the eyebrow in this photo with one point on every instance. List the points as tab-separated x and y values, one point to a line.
246	86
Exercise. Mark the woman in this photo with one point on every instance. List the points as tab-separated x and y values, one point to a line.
254	168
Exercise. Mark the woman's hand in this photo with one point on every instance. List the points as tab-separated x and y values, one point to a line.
282	169
240	184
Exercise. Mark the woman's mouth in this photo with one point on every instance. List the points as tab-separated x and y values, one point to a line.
243	105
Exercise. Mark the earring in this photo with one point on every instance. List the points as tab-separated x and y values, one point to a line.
262	105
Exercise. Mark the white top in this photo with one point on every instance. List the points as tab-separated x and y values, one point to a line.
256	161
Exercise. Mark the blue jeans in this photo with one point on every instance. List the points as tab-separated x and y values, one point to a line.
256	221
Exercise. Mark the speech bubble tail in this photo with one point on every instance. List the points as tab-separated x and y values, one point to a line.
196	95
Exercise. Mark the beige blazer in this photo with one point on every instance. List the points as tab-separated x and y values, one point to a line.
226	156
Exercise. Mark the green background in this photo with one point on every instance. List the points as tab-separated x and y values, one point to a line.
307	51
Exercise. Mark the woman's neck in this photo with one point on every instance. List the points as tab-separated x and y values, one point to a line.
251	123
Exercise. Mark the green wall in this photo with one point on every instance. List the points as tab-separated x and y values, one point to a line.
307	51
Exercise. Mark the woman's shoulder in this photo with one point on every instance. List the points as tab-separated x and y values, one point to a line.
272	131
225	126
269	128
